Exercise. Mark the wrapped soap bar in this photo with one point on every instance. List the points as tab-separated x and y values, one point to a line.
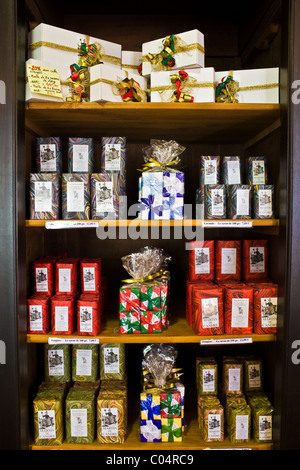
104	196
38	314
239	201
48	155
189	297
215	204
208	318
62	314
57	363
265	305
213	421
253	378
232	374
206	376
255	254
263	201
66	276
43	275
80	410
150	405
228	260
85	362
88	315
111	418
231	170
80	155
201	261
257	170
239	428
114	162
262	413
112	361
210	172
48	416
44	196
76	196
238	305
90	274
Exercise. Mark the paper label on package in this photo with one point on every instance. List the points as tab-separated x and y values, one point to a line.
265	428
109	422
210	313
61	318
41	276
80	158
210	172
85	319
214	426
111	361
46	424
44	80
56	362
269	312
254	376
233	172
240	313
84	362
104	196
78	422
43	196
242	427
258	172
36	317
217	202
48	158
265	202
242	202
228	261
257	259
202	261
113	157
208	380
234	379
75	196
89	282
64	280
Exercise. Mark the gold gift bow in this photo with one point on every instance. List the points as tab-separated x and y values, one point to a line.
152	163
183	47
114	84
139	94
186	86
161	274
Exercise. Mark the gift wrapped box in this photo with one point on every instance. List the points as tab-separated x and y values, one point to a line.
201	261
44	195
215	206
262	413
66	276
150	430
239	428
265	304
253	375
257	170
88	315
90	274
171	430
112	361
208	317
80	155
111	418
252	86
255	258
192	85
231	170
150	406
206	376
48	417
85	362
184	50
38	314
213	421
43	275
130	322
80	420
48	156
228	260
132	62
62	314
239	201
76	196
238	306
57	363
210	170
104	196
32	94
151	321
232	374
263	201
170	405
189	296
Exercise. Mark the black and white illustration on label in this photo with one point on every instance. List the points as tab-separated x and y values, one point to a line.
233	172
104	196
228	261
202	261
48	158
217	202
113	157
265	202
254	376
257	259
111	361
210	172
56	362
46	424
234	379
89	283
242	427
83	362
85	318
265	428
61	318
214	426
78	422
258	172
240	313
43	196
36	317
208	380
80	158
210	313
109	421
64	279
75	196
242	202
269	312
41	279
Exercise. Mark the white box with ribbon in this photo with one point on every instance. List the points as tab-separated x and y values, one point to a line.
251	86
174	52
131	60
197	85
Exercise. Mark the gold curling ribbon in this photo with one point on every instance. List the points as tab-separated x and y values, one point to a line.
161	274
180	46
137	93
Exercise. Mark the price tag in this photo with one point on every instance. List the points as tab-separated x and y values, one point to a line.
222	341
61	224
54	341
44	81
227	223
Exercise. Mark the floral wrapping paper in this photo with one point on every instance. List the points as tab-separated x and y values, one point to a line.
112	361
90	275
80	407
80	155
63	314
76	197
201	261
43	276
239	201
45	196
265	305
215	202
48	156
238	306
263	201
105	196
208	317
57	363
231	170
255	260
228	260
85	362
38	314
48	417
88	315
257	170
210	170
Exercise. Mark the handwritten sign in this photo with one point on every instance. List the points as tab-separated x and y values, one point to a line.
44	81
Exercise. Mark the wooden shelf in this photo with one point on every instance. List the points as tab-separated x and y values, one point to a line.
189	122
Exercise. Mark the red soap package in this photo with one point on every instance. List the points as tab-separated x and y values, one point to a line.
38	314
90	274
66	275
255	257
238	310
265	303
201	261
228	260
63	314
88	315
43	274
189	298
208	316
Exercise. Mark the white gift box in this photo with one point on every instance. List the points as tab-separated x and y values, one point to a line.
189	53
30	96
131	61
102	79
200	84
255	85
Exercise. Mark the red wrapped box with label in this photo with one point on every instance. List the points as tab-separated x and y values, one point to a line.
201	261
189	297
208	316
62	314
238	310
43	275
38	314
66	276
88	315
90	274
228	260
255	260
265	303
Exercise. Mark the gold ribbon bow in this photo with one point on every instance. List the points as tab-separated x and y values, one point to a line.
129	90
162	274
152	163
